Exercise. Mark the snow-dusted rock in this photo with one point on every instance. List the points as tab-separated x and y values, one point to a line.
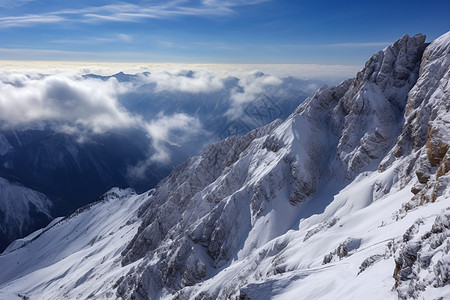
423	144
346	248
423	260
371	111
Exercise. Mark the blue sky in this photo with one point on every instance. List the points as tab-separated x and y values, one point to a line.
210	31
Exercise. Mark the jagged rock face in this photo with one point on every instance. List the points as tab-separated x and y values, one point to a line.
218	199
427	99
424	140
422	259
206	214
373	107
364	116
174	194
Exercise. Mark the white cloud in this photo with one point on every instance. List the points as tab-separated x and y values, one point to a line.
84	106
173	130
13	3
353	45
332	73
231	3
29	20
126	38
89	104
252	85
199	81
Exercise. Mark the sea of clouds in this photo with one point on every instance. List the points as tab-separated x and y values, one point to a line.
82	105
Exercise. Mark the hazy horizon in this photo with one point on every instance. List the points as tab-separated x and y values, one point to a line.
330	73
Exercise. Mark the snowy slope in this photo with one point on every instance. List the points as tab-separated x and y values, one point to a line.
85	246
346	199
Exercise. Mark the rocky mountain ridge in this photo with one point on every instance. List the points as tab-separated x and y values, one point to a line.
347	198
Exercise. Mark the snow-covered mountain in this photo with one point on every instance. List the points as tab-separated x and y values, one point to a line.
22	210
345	199
73	166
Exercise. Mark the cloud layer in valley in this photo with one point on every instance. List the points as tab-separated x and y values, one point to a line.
87	106
181	80
174	131
251	85
83	104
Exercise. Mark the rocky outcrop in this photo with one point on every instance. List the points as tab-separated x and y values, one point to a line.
361	117
370	114
206	213
421	261
345	249
424	141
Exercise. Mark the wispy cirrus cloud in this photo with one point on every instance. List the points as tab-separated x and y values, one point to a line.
215	45
45	51
232	3
124	38
353	45
13	3
128	12
68	55
29	20
281	47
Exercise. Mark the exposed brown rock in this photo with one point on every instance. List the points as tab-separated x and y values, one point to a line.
398	268
422	177
444	167
436	148
415	190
